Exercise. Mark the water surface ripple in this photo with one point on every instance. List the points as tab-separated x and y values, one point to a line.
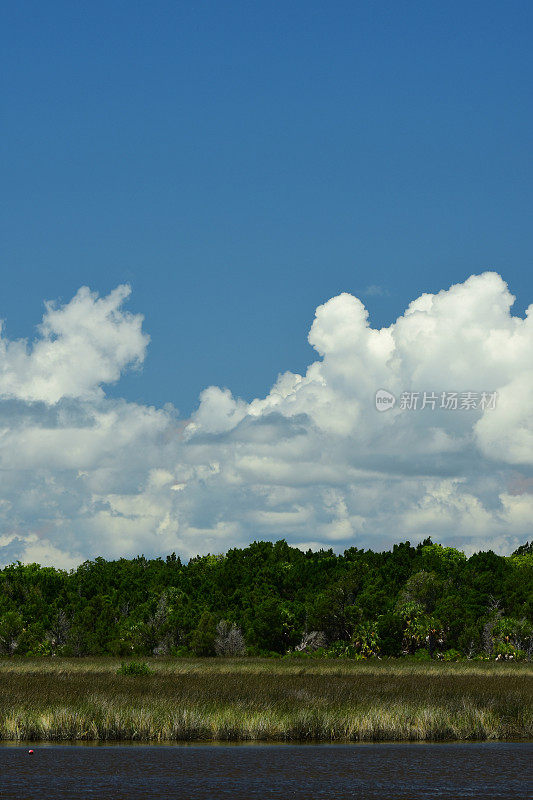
244	772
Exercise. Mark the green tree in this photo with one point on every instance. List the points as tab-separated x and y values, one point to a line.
11	628
202	641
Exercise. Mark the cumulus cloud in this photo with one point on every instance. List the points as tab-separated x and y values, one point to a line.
314	461
81	345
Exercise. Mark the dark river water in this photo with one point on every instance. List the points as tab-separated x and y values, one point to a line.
385	771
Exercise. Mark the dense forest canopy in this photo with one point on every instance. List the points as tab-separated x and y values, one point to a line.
424	601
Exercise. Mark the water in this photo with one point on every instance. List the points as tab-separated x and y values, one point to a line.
244	772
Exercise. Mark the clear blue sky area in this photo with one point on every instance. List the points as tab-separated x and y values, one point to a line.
241	162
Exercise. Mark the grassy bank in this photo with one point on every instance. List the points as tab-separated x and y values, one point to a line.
263	699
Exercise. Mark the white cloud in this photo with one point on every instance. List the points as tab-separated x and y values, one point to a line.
81	345
313	461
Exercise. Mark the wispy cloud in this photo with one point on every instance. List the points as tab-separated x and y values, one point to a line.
374	290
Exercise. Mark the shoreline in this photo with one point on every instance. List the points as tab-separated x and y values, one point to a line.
274	742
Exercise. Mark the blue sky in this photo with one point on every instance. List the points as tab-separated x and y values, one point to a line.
240	163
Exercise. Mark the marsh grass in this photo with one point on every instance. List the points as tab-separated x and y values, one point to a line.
264	699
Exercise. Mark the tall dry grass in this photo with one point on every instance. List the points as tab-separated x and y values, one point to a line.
264	699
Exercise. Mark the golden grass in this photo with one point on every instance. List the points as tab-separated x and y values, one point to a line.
264	699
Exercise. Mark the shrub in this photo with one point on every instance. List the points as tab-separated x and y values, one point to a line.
181	652
421	655
451	655
134	668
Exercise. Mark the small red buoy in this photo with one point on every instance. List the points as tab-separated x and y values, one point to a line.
30	752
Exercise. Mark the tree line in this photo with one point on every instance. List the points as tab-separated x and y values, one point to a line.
424	601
